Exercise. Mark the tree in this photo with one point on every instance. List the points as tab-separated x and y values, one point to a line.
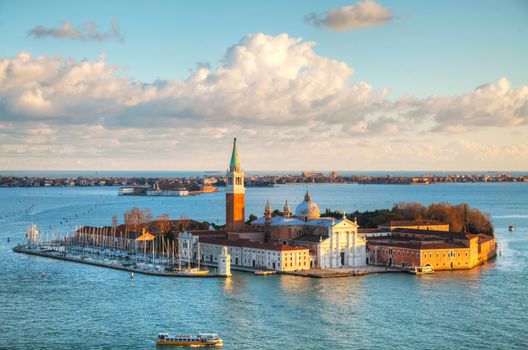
277	212
459	217
409	210
184	222
163	223
135	218
251	218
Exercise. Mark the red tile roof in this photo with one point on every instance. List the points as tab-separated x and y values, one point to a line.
246	243
420	245
484	238
413	223
371	230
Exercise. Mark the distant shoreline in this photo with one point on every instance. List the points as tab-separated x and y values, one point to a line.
195	173
194	183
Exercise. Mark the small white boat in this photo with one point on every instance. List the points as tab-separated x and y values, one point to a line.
511	228
202	339
265	272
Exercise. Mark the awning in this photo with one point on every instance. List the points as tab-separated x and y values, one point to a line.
145	237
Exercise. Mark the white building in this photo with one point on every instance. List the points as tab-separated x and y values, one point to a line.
341	246
168	193
188	245
224	263
257	255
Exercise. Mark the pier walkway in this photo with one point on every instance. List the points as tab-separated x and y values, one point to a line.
313	273
344	271
55	255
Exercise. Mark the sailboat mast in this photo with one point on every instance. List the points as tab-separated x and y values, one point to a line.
179	254
189	253
198	255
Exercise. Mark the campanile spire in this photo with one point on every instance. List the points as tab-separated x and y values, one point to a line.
234	165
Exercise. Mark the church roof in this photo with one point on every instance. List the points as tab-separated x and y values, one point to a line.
310	238
307	208
246	243
293	221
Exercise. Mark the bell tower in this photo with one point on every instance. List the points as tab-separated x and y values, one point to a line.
235	194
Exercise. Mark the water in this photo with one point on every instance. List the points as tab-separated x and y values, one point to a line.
90	307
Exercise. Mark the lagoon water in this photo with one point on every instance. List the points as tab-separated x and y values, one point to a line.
82	306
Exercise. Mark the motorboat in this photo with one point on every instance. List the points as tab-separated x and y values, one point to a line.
421	270
201	339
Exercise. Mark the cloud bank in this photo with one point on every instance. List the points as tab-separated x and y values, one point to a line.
275	92
364	14
88	31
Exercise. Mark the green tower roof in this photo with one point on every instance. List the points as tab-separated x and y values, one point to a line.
234	157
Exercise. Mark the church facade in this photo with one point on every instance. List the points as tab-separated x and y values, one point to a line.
332	242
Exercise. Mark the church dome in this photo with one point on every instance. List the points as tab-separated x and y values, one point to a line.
307	210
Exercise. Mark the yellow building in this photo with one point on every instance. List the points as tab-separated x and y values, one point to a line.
440	249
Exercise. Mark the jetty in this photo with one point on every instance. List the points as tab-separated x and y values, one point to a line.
109	264
344	271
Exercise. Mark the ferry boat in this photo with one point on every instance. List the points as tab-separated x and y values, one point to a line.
421	270
202	339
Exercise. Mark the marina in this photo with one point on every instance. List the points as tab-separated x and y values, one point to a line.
105	253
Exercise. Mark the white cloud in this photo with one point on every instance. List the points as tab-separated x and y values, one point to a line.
274	92
490	105
87	32
364	14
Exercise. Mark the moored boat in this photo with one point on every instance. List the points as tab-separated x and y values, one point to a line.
265	272
192	271
421	270
202	339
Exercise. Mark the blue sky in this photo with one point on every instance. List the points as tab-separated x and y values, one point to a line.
444	48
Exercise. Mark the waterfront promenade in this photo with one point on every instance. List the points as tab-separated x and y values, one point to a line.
117	265
345	271
111	264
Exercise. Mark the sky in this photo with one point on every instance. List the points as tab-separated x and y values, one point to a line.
303	85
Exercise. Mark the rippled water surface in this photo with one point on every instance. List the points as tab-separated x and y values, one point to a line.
82	306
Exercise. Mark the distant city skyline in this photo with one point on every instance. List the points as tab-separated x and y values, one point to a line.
345	85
